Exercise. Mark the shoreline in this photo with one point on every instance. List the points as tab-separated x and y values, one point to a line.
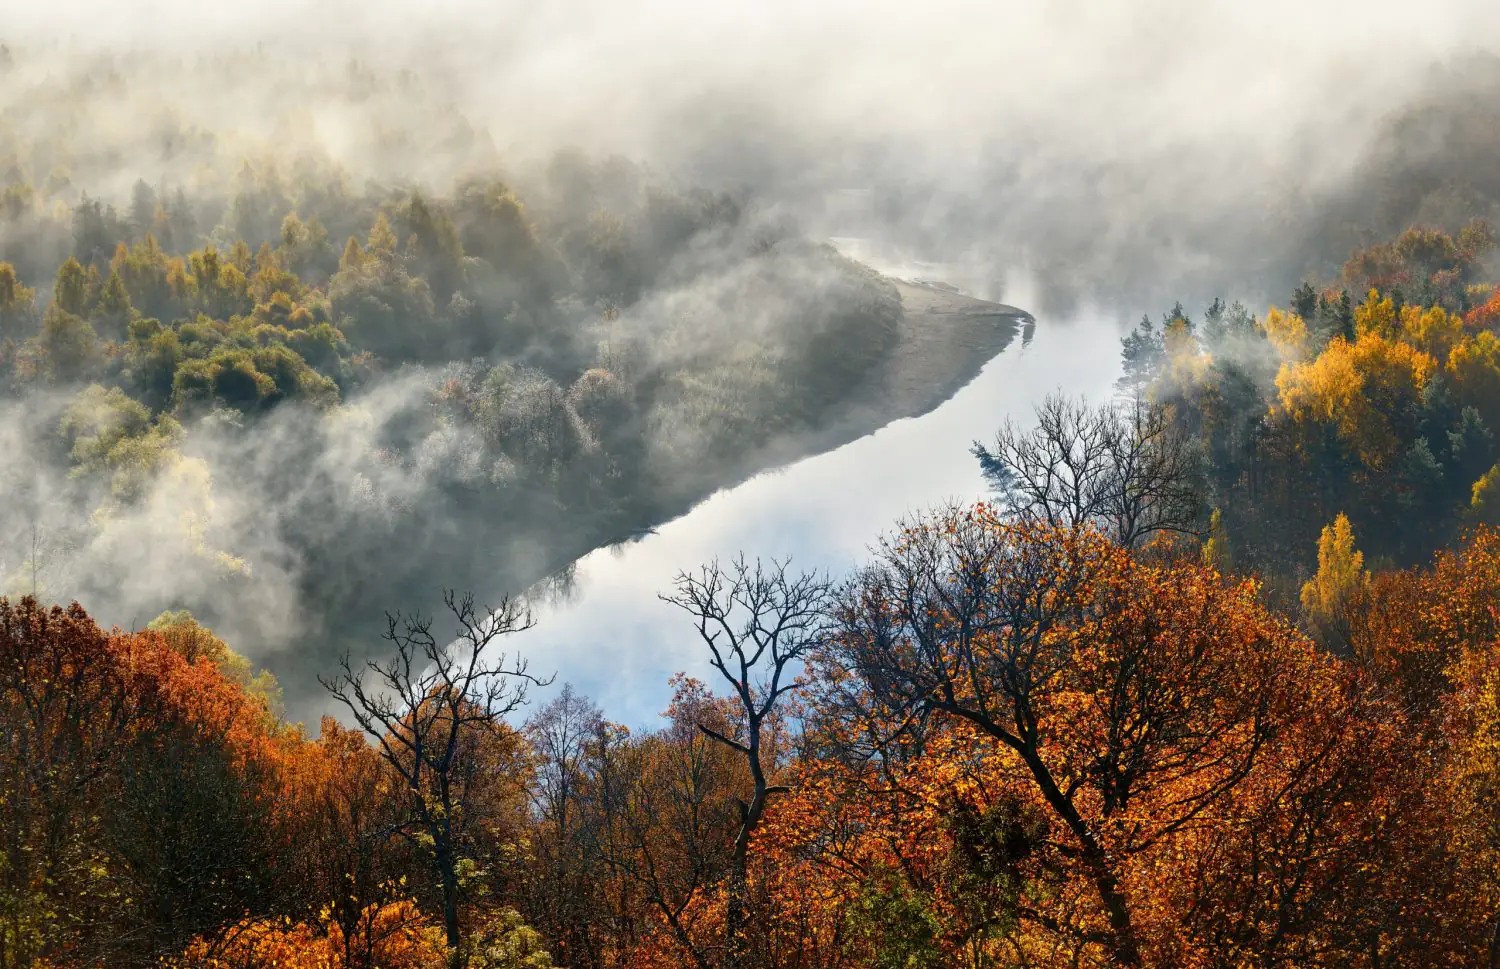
946	339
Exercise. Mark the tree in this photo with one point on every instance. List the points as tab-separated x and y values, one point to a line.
1142	355
1305	300
351	807
1126	701
71	290
17	303
1340	581
663	827
1123	469
143	268
139	803
96	231
55	664
506	942
143	203
399	937
113	310
1287	333
68	343
427	707
567	880
759	624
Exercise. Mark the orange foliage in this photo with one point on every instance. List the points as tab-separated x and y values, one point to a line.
1024	746
1419	623
392	936
1173	762
1485	316
114	724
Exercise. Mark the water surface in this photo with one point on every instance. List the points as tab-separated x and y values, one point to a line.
615	641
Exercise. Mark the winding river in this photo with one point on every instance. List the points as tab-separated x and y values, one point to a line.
616	642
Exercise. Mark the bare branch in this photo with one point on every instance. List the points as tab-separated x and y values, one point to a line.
1121	468
426	705
760	622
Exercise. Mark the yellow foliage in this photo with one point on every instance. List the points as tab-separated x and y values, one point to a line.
397	936
1375	316
1341	574
1325	389
1287	332
1484	504
1216	547
1392	370
354	256
1434	331
1357	387
1475	782
382	238
1474	369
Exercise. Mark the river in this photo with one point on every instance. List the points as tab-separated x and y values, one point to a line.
616	642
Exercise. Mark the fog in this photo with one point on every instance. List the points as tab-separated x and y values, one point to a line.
1066	154
1100	144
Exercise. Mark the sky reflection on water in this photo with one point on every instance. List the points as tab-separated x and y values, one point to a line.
615	641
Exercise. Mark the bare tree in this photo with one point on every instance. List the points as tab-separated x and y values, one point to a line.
427	707
1119	467
759	623
566	876
662	822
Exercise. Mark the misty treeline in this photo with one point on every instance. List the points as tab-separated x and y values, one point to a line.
298	388
1374	395
1214	681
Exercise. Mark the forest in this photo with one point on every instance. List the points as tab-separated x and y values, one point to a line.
1213	680
1210	680
467	375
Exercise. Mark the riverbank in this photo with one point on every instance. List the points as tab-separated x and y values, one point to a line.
617	643
946	338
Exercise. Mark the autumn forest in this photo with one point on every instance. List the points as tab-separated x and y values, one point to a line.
1211	678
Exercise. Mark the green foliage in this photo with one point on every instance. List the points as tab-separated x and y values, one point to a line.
505	941
582	362
143	268
17	304
249	380
383	307
151	360
113	435
68	343
897	924
1142	357
112	312
71	291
